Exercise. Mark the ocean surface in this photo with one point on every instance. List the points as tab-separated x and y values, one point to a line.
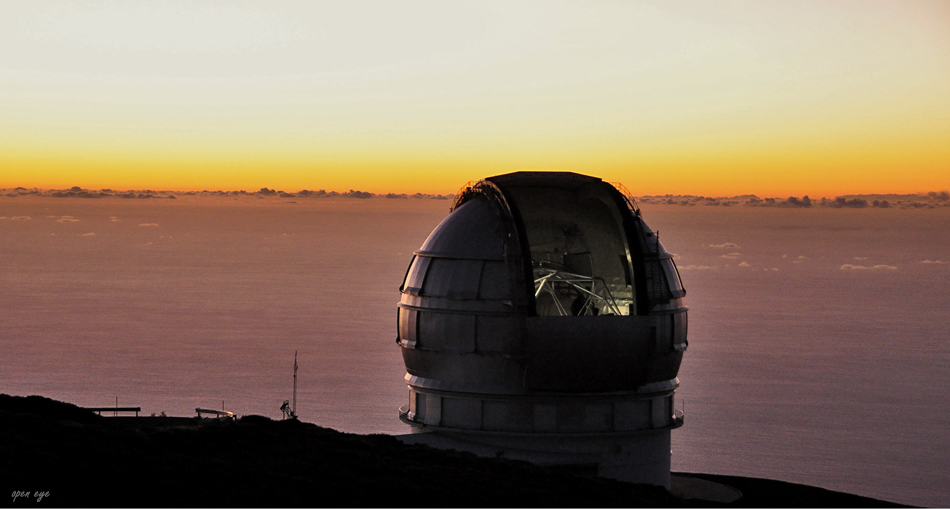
819	346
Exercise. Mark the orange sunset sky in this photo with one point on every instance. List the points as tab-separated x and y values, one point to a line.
711	98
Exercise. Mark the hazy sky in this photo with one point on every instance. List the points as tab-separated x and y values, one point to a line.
714	98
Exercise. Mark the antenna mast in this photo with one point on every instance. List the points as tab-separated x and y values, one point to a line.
293	413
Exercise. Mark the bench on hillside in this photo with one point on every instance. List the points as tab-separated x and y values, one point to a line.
114	409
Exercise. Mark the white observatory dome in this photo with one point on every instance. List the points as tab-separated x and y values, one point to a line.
543	319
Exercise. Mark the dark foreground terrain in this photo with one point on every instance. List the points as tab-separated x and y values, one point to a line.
82	459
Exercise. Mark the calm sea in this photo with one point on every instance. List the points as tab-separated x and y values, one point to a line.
819	346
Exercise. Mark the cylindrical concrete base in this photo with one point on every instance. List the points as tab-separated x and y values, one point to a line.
637	458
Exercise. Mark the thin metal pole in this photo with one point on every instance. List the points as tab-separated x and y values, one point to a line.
295	385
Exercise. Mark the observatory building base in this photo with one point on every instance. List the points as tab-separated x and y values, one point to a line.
542	320
642	457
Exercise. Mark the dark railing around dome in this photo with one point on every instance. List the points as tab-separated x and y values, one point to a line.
627	197
462	192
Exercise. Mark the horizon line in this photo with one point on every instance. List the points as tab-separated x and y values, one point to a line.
669	198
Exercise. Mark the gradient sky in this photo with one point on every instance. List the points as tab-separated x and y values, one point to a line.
711	98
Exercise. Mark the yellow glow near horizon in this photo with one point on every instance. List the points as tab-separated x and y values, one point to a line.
770	98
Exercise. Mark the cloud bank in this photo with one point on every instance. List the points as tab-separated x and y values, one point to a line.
849	266
884	201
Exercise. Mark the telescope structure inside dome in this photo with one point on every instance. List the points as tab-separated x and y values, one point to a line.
543	320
